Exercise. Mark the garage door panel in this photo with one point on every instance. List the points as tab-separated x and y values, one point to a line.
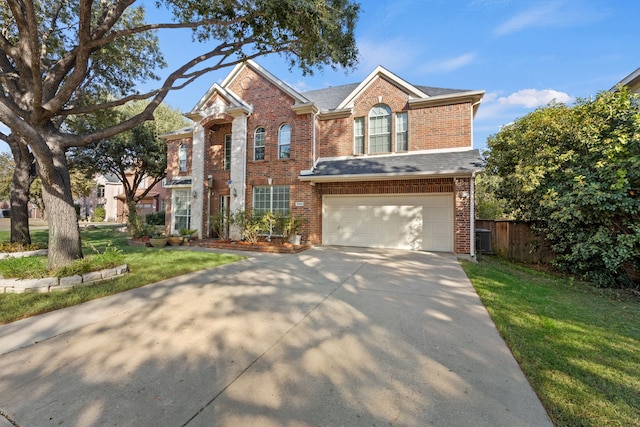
418	222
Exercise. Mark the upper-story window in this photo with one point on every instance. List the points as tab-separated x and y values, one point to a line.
284	142
182	158
258	144
227	151
402	132
380	129
100	191
358	135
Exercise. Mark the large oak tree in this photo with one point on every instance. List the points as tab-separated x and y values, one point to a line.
55	53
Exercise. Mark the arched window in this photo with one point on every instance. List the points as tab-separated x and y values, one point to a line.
258	144
284	142
380	129
182	158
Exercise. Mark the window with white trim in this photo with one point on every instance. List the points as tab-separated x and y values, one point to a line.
358	135
284	142
258	144
182	158
402	131
227	151
181	205
380	129
271	198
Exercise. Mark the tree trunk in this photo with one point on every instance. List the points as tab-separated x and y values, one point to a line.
65	245
134	222
23	175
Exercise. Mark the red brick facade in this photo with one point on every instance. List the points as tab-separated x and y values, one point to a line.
430	127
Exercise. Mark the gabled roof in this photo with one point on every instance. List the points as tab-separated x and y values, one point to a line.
380	71
332	101
299	99
632	81
398	166
200	111
341	98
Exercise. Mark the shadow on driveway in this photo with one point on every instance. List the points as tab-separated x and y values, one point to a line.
329	336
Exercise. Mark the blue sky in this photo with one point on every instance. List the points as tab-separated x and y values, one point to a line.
522	53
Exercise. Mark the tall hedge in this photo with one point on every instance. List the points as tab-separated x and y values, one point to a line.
575	170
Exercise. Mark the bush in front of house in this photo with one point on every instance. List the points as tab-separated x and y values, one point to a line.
155	218
99	214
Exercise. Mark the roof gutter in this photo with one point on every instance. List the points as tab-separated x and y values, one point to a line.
383	176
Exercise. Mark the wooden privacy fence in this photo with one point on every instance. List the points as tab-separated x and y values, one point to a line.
515	240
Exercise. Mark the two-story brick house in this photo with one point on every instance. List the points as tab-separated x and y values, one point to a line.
381	163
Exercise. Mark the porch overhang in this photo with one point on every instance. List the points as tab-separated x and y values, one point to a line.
396	167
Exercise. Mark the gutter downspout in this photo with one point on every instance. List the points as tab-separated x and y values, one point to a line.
472	190
472	220
313	137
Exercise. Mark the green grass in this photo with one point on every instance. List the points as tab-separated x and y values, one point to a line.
146	265
578	345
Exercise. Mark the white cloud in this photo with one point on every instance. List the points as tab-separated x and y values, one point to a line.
551	14
532	98
497	110
534	17
449	64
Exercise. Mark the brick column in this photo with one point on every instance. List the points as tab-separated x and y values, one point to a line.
197	180
238	173
462	228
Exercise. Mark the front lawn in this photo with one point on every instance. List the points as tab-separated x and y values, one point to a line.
146	265
578	345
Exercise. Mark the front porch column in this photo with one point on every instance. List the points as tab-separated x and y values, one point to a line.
238	185
197	181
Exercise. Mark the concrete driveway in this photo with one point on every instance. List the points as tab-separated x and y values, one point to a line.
327	337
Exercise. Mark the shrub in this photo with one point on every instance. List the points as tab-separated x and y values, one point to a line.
290	225
251	225
218	224
155	218
99	214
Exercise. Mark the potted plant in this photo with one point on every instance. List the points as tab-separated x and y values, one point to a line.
291	227
174	240
158	240
186	233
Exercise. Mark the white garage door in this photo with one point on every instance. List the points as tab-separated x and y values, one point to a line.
418	222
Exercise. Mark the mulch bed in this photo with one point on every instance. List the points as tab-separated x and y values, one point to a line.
275	247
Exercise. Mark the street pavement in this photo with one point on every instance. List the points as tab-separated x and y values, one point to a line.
331	336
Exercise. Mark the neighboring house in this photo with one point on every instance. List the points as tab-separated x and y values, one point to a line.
154	201
632	81
109	193
106	188
380	163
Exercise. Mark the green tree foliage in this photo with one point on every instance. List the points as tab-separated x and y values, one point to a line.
575	171
488	204
99	214
6	173
60	58
132	156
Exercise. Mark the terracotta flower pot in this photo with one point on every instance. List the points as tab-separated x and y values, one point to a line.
175	240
